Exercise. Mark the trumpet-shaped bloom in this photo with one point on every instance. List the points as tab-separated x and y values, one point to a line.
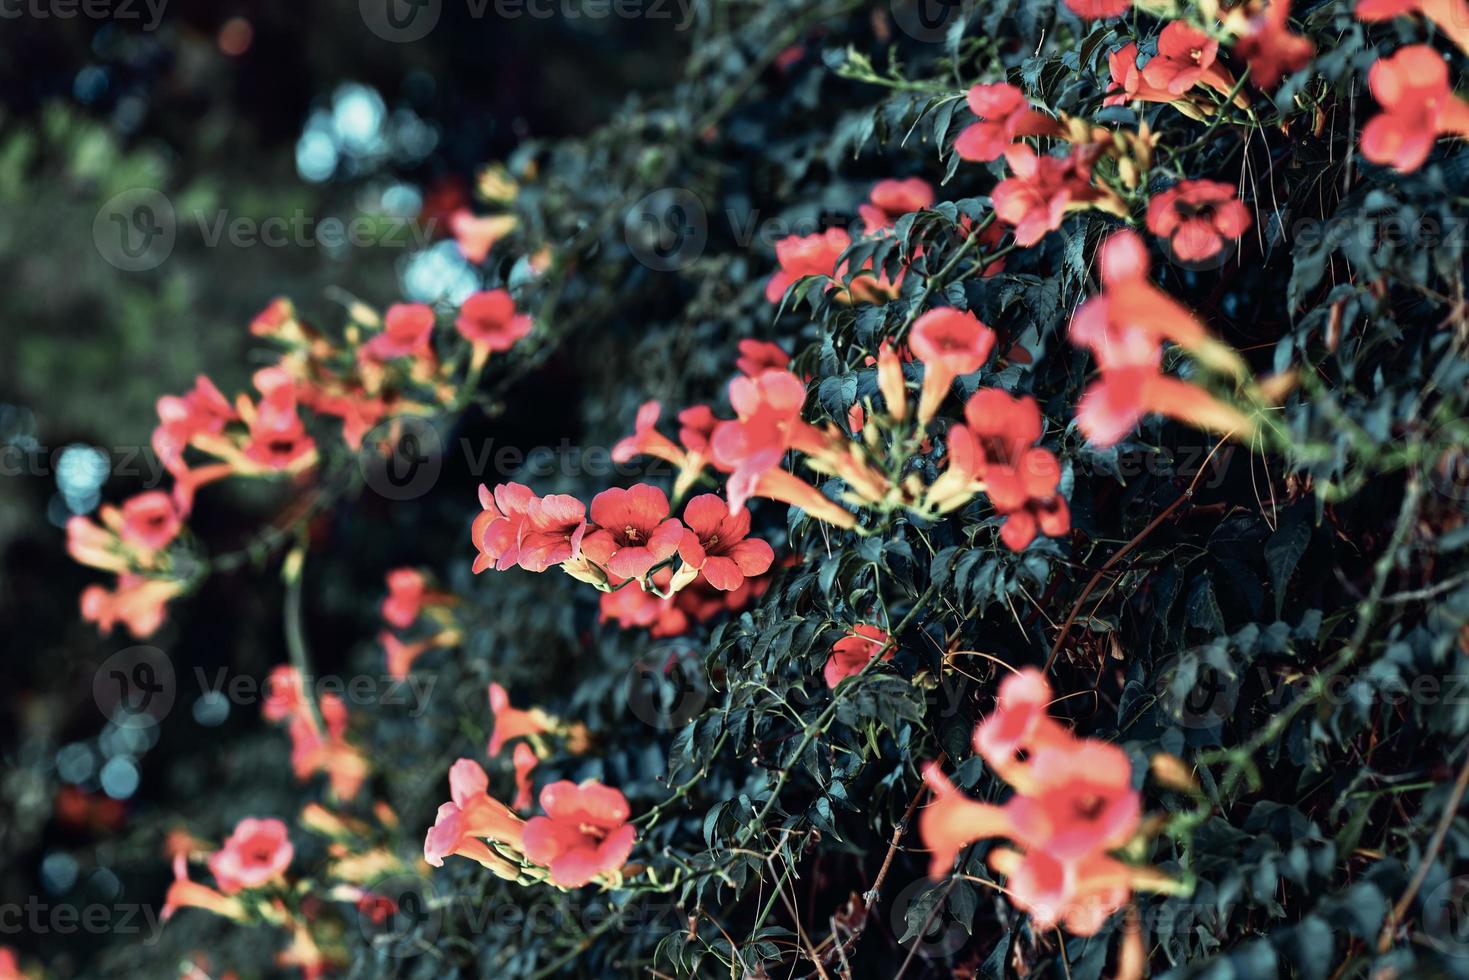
477	234
184	894
584	833
525	763
1021	480
810	255
488	319
407	332
717	543
1128	83
890	200
512	723
852	653
471	816
758	356
1073	803
406	591
255	855
138	603
1005	116
820	255
150	521
1036	199
1418	106
1269	46
633	530
400	656
1449	16
949	343
769	424
1196	216
1186	57
202	411
1077	896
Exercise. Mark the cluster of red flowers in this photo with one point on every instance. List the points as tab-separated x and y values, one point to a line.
583	836
411	604
384	365
1074	802
1124	328
313	749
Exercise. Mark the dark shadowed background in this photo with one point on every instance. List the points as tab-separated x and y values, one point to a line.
302	113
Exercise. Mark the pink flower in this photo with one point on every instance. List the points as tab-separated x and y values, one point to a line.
889	201
1418	106
1097	9
1043	190
851	654
1020	479
407	332
255	855
584	834
769	424
400	656
138	603
1196	216
812	255
1186	56
554	528
497	529
1127	83
1005	116
202	411
949	342
471	816
488	320
525	763
1269	46
476	234
758	356
717	543
512	723
406	590
633	530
